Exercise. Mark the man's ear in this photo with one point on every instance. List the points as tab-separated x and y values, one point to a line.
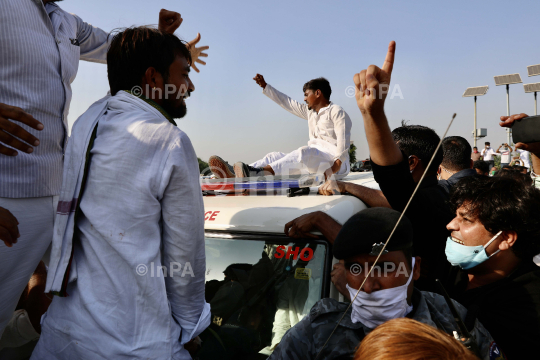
318	93
439	170
153	78
508	240
413	162
416	269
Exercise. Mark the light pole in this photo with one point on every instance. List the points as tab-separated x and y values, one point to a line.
533	70
508	80
475	91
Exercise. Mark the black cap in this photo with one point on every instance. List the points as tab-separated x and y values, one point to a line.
367	231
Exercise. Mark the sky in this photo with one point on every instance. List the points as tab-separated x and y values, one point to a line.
442	49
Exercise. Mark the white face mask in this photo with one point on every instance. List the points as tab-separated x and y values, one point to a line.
380	306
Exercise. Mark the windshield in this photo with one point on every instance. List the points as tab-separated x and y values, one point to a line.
257	290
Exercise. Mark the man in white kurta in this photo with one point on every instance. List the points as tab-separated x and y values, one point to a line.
142	213
128	257
327	150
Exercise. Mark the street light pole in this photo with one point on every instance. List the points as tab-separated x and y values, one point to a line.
474	131
474	92
508	130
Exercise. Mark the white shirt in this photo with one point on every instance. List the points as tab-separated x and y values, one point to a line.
329	130
524	156
506	155
488	154
39	59
142	209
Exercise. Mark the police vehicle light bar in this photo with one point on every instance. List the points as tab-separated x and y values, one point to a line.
266	184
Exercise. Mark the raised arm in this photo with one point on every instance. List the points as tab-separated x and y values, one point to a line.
371	89
183	240
370	197
292	106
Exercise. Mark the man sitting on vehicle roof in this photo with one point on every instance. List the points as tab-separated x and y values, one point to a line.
388	293
329	137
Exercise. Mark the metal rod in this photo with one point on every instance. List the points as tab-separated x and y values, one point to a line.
474	132
389	237
508	131
535	107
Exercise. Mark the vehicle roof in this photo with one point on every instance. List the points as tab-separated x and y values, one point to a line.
270	213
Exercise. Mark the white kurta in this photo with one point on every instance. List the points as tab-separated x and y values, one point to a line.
329	136
142	210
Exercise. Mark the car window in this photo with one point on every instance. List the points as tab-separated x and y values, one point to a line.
257	290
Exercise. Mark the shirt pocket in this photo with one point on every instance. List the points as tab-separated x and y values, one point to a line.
70	52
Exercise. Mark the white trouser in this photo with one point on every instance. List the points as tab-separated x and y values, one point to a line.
305	160
17	263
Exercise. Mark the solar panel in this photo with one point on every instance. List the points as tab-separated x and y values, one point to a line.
507	79
529	88
476	91
533	70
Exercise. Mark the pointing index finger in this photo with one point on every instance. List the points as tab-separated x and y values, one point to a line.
389	61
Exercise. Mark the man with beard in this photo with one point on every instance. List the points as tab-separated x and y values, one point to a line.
130	212
329	137
41	46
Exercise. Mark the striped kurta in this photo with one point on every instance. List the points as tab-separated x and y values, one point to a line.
40	49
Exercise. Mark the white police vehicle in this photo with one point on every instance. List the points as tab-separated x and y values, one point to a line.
260	282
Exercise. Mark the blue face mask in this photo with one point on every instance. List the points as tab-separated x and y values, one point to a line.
467	257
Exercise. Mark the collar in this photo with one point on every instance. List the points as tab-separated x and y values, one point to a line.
50	7
154	105
325	108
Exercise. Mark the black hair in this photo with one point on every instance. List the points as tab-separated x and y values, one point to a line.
502	204
134	50
456	153
319	84
482	165
514	173
420	141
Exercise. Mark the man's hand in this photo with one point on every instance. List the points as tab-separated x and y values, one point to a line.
169	21
9	230
332	187
301	226
9	130
339	279
197	52
373	83
259	79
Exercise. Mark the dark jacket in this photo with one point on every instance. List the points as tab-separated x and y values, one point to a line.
429	214
452	180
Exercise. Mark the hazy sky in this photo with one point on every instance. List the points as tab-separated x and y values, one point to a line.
442	48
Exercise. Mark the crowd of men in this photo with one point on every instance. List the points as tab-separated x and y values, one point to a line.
124	192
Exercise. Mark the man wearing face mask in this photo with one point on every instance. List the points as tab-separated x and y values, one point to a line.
388	293
494	237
